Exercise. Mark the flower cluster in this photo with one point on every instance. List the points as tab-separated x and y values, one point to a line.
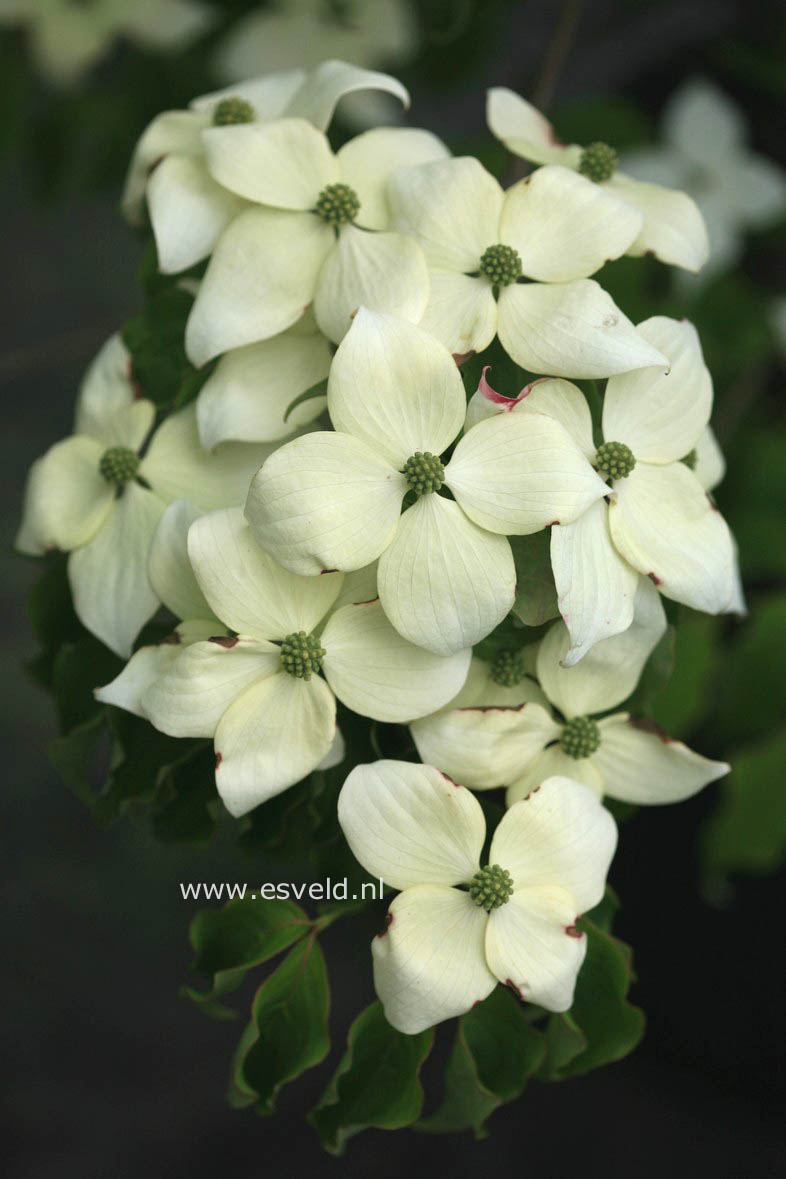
332	519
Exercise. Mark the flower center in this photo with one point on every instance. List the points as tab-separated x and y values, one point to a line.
118	465
491	887
580	737
337	204
423	472
507	669
598	162
233	110
301	654
501	265
615	459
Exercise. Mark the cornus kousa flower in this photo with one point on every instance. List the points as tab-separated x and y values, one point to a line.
333	500
259	692
457	929
100	493
658	520
671	227
169	169
317	231
517	263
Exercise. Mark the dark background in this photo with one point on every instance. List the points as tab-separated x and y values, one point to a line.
108	1071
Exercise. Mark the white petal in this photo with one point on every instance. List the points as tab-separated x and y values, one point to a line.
571	329
172	131
664	524
673	228
758	191
481	691
169	568
261	277
359	586
127	690
67	500
560	835
407	824
249	392
418	401
285	163
274	735
323	88
112	593
643	765
525	131
461	312
595	586
532	946
452	207
564	226
444	583
516	473
484	747
430	961
380	271
188	211
710	463
377	673
554	763
106	390
325	501
270	96
245	586
703	123
367	161
659	413
564	402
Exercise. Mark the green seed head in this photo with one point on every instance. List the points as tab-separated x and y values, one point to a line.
491	887
501	265
423	472
580	737
301	655
118	465
507	670
337	204
598	162
233	110
690	460
615	459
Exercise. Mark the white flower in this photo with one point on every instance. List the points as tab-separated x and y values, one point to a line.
518	745
672	228
317	231
92	495
705	151
67	38
555	227
258	693
188	208
445	948
659	521
333	500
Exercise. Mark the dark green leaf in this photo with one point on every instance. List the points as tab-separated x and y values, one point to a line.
155	339
73	756
536	596
753	684
656	675
691	690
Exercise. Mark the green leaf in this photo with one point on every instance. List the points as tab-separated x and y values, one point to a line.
536	595
290	1016
655	676
317	390
51	614
690	694
753	683
155	338
377	1083
73	755
141	759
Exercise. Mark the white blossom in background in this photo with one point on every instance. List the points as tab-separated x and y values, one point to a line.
99	494
445	947
67	38
705	150
332	500
672	226
556	228
258	693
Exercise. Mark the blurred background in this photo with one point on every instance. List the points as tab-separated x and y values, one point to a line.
109	1071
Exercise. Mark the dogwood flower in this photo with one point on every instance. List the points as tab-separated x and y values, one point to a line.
659	520
672	227
258	692
317	231
332	500
456	929
96	496
188	208
704	150
556	228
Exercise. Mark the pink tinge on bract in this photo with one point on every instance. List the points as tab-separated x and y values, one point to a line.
504	402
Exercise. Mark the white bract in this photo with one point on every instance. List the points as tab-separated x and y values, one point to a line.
445	947
332	500
169	170
672	228
258	693
555	228
93	496
705	151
